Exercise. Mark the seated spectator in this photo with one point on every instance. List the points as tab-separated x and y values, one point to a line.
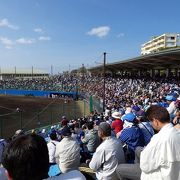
67	152
117	124
64	122
108	154
91	139
146	129
71	175
26	158
171	108
90	142
3	174
3	144
131	136
52	147
160	159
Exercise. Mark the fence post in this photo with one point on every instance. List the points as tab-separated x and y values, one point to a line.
90	104
51	116
75	109
1	128
84	113
38	121
20	119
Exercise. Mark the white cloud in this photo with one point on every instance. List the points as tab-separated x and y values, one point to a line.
99	31
8	43
120	35
38	30
44	38
5	23
25	41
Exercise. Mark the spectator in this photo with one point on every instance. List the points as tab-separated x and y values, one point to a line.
145	128
117	124
67	152
52	147
3	174
3	144
161	158
108	155
131	136
26	158
91	138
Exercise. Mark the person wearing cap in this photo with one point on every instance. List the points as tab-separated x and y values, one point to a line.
117	124
131	136
171	108
160	159
108	154
67	152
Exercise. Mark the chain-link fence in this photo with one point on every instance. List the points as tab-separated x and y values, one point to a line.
37	116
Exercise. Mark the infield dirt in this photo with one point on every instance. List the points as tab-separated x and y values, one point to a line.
20	112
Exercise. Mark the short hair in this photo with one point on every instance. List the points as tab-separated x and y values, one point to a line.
158	112
53	136
27	157
90	125
105	128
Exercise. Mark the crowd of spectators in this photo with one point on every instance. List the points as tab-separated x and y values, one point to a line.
141	120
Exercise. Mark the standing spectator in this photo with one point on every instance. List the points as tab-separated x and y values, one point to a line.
161	157
108	155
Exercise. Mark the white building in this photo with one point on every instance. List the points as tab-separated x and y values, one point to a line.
17	73
159	43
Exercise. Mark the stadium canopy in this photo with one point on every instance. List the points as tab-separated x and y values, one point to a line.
166	59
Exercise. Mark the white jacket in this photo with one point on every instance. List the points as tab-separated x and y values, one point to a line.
160	160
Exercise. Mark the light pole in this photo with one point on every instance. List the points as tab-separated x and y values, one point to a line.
104	81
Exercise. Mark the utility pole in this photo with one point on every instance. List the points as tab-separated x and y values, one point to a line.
83	71
32	72
104	81
51	70
15	71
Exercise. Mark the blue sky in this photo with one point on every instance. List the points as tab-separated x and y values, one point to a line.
67	33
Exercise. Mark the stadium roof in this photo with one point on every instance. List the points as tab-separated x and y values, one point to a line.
160	60
21	71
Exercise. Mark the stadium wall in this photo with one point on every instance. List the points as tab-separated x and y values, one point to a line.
36	93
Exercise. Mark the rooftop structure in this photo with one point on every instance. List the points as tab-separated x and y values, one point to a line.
159	43
16	73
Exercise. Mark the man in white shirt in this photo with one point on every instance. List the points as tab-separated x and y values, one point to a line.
160	160
108	155
52	147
